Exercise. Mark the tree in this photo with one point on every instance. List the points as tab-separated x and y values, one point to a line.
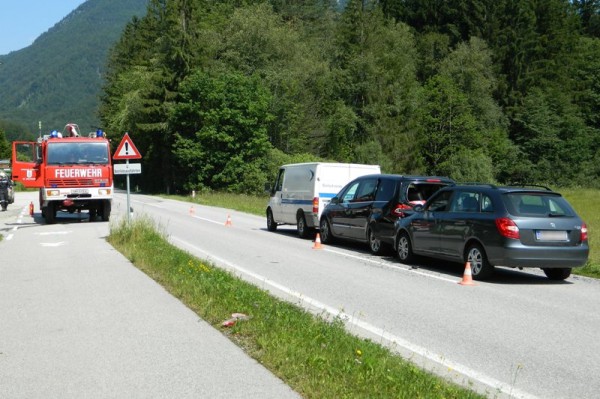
5	147
376	88
448	125
589	12
221	124
470	67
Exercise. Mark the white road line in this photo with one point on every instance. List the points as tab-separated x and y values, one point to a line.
52	244
498	386
19	221
207	220
393	267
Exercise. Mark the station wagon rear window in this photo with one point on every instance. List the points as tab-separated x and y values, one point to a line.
537	205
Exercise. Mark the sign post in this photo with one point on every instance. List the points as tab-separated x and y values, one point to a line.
127	150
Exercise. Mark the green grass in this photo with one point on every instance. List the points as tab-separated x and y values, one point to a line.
252	204
583	200
585	203
314	355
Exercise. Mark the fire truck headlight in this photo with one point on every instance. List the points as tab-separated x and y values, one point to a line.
104	191
52	193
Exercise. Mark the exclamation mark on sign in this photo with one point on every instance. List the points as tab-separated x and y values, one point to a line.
126	148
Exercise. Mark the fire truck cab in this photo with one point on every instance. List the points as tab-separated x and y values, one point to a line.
72	173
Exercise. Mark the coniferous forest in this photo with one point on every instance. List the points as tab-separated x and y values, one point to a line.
217	94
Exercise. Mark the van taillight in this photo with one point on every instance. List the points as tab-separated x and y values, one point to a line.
583	236
316	205
507	228
400	208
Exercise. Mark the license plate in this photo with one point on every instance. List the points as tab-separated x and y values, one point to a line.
551	235
80	191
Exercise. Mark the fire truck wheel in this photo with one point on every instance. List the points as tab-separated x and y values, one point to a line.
105	211
50	213
93	214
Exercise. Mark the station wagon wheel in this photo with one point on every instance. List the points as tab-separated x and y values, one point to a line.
271	225
375	244
301	225
558	274
404	248
481	269
325	232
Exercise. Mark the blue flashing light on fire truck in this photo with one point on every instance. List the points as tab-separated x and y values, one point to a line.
73	172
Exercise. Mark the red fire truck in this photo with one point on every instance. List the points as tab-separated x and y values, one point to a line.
73	173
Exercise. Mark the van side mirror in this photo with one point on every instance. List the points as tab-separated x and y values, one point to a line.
268	187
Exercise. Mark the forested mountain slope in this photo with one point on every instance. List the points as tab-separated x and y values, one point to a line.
59	77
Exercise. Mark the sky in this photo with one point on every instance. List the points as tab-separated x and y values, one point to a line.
23	21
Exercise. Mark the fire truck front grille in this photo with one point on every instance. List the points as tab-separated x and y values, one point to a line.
70	183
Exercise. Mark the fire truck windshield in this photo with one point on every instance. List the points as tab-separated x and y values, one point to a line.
65	153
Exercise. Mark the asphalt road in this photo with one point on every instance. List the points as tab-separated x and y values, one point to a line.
77	320
520	335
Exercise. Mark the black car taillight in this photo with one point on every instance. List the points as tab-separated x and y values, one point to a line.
507	228
400	208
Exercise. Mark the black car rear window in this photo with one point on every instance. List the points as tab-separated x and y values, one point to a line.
419	192
537	204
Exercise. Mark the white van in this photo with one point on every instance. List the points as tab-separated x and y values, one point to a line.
301	192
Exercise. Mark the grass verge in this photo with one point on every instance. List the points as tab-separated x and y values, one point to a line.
585	203
314	355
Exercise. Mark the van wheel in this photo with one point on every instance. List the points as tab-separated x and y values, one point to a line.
557	274
480	267
303	229
325	232
271	225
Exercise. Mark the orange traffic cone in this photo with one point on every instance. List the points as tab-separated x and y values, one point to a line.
192	210
228	221
317	244
31	208
467	276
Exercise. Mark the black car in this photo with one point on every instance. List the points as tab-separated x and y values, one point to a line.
366	209
492	226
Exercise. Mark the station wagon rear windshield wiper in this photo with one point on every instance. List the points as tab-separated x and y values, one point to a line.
556	215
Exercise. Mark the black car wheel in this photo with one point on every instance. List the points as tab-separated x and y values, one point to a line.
557	274
481	269
301	225
404	248
271	225
375	244
325	232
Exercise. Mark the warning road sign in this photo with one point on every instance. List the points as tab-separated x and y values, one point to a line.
126	149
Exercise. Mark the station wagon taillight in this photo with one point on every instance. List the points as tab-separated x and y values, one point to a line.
508	228
584	234
316	205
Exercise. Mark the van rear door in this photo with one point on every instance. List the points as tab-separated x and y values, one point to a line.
276	194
